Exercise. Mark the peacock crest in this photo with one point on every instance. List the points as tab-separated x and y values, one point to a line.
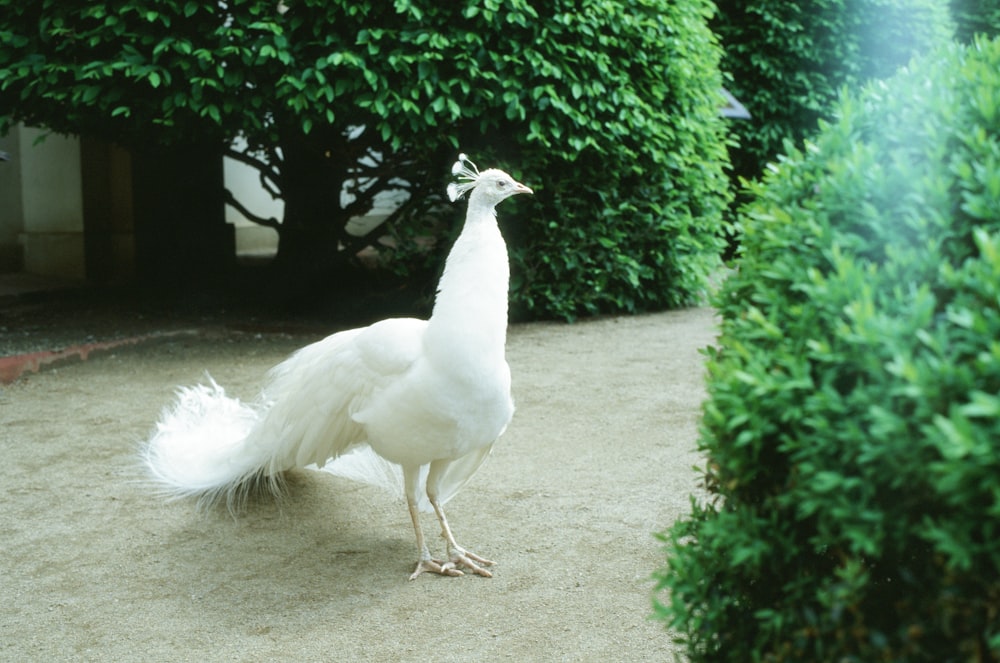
467	173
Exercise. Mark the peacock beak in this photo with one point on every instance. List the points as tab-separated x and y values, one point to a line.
520	188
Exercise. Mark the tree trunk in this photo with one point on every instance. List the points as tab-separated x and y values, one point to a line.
181	234
314	222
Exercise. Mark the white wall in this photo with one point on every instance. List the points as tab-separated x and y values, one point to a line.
42	197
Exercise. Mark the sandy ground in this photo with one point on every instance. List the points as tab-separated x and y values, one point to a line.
599	456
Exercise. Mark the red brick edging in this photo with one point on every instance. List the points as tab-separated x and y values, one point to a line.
13	367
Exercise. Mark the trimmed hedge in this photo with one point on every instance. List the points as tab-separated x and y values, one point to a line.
788	61
618	130
613	119
853	425
975	17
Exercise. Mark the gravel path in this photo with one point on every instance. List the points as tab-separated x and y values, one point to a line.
598	457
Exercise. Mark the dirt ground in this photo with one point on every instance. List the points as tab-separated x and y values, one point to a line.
598	458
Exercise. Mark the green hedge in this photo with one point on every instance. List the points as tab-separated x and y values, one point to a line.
615	124
975	17
853	424
788	60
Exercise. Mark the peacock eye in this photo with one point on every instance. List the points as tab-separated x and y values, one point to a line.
501	184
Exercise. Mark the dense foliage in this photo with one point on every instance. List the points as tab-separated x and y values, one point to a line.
631	162
606	107
853	424
975	17
788	60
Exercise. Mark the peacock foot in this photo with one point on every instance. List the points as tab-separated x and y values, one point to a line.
429	565
460	559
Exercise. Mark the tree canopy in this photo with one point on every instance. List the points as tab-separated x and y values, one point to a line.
612	101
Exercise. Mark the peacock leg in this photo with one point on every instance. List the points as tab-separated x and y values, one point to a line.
458	556
426	562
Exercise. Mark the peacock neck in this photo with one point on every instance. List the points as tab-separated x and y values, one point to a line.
470	311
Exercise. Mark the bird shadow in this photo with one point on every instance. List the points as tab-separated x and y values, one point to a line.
323	534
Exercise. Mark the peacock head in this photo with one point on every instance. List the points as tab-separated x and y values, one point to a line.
489	186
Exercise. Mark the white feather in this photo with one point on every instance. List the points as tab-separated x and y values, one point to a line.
198	449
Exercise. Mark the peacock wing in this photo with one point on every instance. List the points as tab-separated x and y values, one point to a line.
312	395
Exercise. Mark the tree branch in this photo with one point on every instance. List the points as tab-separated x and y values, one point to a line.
354	244
373	173
269	222
270	179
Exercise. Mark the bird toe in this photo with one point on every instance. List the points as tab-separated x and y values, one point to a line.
435	566
471	561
